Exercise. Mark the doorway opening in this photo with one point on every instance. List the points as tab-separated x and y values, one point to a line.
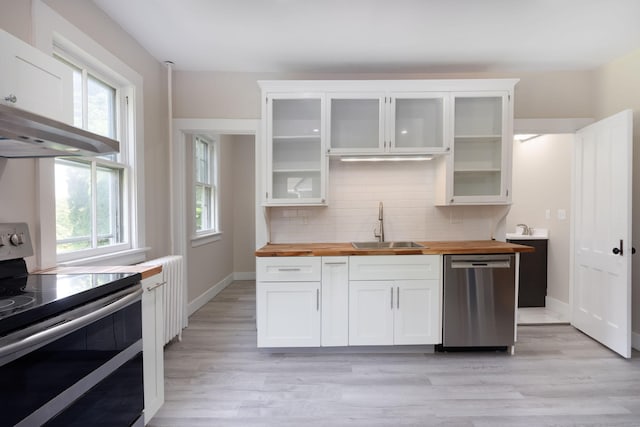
540	216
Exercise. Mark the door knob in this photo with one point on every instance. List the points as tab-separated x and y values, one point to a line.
619	250
633	251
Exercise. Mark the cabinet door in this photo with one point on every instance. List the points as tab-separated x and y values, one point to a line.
153	345
371	313
356	123
417	318
481	148
288	314
335	301
417	122
34	81
296	154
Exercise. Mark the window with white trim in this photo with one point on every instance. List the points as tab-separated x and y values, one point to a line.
91	203
205	190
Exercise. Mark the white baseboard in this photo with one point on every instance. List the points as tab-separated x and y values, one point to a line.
635	340
557	306
214	290
247	275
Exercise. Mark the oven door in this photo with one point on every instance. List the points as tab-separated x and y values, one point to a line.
82	368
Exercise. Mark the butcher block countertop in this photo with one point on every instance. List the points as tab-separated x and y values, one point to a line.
430	248
145	270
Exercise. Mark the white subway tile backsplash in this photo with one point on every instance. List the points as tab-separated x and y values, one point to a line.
407	191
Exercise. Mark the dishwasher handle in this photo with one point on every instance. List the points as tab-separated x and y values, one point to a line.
481	264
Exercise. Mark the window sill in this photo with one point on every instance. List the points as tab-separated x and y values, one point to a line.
127	257
205	239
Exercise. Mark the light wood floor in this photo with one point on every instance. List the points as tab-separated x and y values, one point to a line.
217	377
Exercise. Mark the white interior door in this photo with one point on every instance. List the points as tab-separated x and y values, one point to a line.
601	296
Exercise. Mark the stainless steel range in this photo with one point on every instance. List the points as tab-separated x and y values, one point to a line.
70	345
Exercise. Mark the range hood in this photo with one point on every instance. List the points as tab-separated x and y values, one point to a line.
24	134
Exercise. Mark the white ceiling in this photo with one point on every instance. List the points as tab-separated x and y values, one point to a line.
381	35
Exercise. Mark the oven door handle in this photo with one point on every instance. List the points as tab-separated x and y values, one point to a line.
68	326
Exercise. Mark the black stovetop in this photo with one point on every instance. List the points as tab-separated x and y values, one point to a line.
31	298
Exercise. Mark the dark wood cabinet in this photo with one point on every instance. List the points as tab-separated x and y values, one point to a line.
532	289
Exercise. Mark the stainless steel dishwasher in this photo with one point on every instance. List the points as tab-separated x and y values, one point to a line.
479	300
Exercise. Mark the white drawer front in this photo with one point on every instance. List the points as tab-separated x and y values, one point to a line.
394	267
288	269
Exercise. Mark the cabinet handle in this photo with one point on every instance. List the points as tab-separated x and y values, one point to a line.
317	299
391	289
335	263
398	298
11	98
157	285
289	269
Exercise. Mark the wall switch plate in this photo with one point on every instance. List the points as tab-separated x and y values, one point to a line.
547	214
562	214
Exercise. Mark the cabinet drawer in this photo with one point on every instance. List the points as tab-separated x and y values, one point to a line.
394	267
288	269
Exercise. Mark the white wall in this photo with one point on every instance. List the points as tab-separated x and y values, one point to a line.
407	191
541	181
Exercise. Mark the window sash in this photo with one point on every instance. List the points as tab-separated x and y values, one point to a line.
205	219
101	176
101	107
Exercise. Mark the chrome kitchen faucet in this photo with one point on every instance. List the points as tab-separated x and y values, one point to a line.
380	234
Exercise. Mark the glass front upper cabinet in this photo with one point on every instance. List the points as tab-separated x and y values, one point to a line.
479	153
297	166
416	123
379	123
356	123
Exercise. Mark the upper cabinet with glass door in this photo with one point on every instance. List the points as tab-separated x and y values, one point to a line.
386	123
479	170
296	167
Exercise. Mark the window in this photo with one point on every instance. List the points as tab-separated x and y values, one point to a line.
205	194
90	192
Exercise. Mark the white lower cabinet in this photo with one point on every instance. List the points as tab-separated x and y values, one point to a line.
402	309
416	317
288	314
394	312
288	301
340	301
152	345
334	306
370	313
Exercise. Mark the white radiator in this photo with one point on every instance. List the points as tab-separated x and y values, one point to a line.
174	295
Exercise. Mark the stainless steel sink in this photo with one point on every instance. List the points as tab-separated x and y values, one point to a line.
385	245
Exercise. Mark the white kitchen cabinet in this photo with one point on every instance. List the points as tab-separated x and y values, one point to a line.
296	161
33	81
395	300
288	301
394	312
288	314
479	168
356	123
387	123
371	312
417	312
153	345
334	304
